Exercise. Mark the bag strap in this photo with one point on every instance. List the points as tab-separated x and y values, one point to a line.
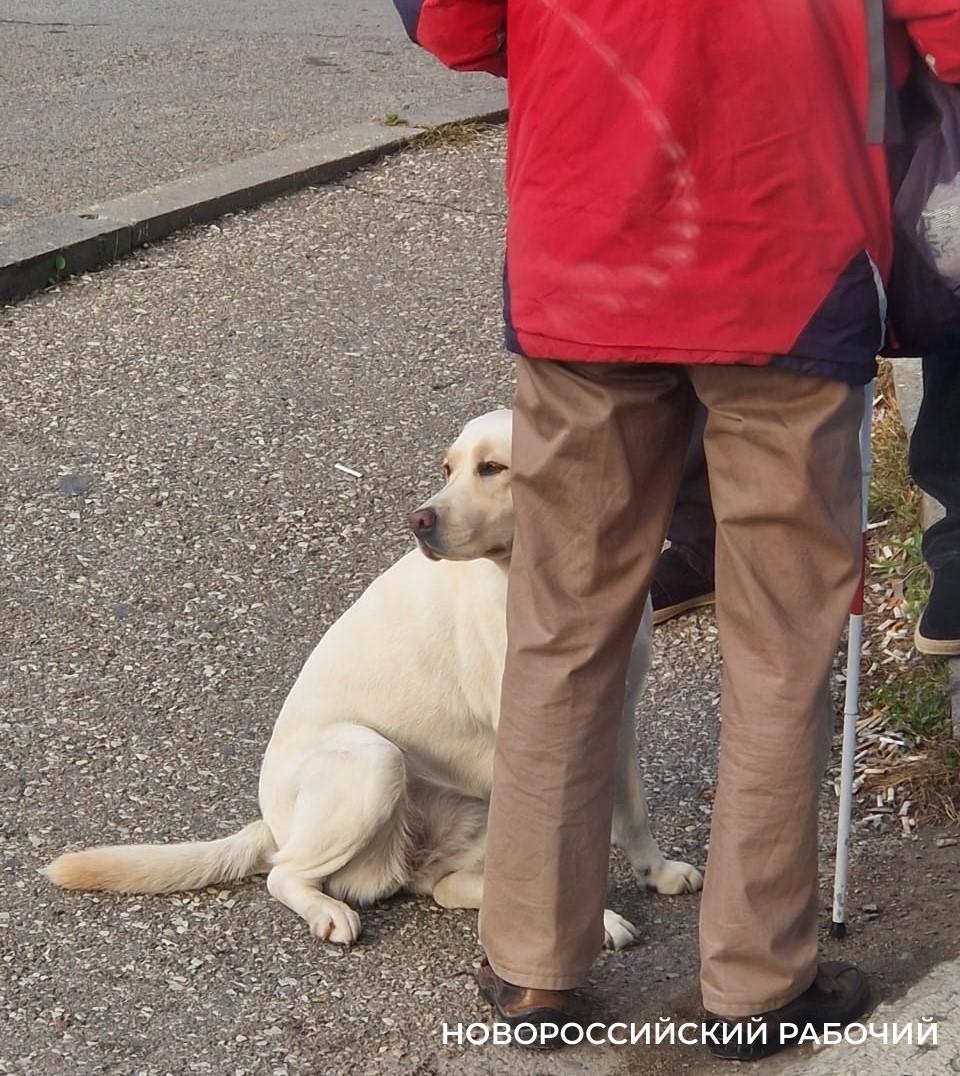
877	68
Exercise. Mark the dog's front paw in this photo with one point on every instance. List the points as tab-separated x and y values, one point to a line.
672	876
335	922
618	933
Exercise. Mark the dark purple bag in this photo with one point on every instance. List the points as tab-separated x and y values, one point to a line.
923	293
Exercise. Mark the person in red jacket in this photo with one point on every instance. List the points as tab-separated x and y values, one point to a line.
699	211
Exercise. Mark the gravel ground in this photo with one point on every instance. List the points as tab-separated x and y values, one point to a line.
176	537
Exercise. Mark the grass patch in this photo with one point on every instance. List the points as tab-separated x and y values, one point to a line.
915	700
447	134
896	501
450	134
893	495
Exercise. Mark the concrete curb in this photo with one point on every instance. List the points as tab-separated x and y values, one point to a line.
53	248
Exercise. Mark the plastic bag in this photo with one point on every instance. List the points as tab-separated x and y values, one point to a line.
940	230
923	294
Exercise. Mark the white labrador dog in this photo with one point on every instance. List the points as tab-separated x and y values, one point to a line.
379	770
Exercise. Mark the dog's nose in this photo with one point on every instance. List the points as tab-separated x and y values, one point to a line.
423	521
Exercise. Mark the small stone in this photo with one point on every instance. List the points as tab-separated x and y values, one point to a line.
74	485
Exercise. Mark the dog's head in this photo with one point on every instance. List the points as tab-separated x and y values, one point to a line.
472	516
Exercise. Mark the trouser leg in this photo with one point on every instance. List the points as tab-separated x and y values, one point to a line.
785	476
693	529
596	458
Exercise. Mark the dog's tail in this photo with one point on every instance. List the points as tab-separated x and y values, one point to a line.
166	868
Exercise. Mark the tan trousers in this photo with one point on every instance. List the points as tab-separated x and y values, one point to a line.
597	453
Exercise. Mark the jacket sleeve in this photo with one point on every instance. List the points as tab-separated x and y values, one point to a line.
934	27
467	35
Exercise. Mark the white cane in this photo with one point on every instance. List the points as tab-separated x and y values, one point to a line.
851	705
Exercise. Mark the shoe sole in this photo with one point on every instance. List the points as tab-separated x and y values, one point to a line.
940	648
857	1006
668	612
535	1017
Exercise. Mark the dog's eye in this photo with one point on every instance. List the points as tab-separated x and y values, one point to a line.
489	468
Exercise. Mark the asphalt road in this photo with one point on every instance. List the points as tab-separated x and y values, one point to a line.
105	97
175	536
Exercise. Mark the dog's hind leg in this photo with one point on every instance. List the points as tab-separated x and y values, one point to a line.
631	821
459	889
349	792
464	889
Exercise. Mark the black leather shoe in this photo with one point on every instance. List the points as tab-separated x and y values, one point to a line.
677	587
839	995
516	1005
938	632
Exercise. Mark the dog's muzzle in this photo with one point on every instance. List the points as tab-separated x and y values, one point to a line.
423	523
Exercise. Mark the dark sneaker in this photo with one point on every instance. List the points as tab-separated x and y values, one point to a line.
548	1011
839	995
939	629
677	587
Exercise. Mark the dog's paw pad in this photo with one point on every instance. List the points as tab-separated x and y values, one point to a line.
672	876
618	933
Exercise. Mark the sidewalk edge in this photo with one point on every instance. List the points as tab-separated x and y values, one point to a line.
53	248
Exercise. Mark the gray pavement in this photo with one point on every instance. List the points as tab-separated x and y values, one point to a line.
934	1000
176	536
105	97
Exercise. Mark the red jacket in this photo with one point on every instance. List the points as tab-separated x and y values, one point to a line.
694	180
